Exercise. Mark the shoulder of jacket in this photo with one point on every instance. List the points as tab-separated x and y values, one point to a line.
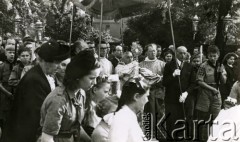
204	64
1	64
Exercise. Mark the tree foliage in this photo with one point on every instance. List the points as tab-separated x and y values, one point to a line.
55	15
155	27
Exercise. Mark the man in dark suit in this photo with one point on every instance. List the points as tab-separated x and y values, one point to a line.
117	55
37	83
177	92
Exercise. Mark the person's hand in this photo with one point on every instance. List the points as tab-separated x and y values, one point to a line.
10	96
220	68
215	91
177	72
183	97
229	102
145	71
125	77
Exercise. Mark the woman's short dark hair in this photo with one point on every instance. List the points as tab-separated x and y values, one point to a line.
81	65
130	88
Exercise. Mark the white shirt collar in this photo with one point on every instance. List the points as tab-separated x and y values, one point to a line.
51	82
179	62
108	118
147	59
230	65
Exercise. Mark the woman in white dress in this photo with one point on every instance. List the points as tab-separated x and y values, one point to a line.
125	127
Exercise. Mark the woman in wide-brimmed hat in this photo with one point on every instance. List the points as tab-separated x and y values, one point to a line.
37	83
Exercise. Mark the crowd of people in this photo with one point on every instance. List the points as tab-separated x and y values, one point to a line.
97	92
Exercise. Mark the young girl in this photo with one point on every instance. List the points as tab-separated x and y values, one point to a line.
124	126
168	56
228	62
96	94
104	110
234	96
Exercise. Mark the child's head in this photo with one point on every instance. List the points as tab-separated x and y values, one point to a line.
213	53
229	58
10	52
195	50
196	60
106	106
24	55
101	89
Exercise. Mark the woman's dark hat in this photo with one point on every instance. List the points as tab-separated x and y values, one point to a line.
53	51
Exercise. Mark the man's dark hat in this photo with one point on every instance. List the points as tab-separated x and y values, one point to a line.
53	51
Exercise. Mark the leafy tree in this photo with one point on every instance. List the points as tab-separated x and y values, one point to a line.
55	15
154	26
6	23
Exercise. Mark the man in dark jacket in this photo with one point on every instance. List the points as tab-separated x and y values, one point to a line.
31	92
117	55
177	91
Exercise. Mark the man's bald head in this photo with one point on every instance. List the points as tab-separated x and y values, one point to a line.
127	57
181	53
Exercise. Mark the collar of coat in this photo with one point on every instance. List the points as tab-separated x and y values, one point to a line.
148	60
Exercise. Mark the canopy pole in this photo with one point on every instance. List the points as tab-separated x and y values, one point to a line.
175	52
70	36
121	30
100	29
201	54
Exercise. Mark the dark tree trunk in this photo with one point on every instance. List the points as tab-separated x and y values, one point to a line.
220	41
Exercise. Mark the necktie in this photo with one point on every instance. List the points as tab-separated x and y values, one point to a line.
181	65
76	129
78	106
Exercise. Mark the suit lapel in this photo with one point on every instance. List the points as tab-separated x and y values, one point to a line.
40	72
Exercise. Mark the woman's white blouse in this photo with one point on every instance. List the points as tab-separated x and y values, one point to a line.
125	127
